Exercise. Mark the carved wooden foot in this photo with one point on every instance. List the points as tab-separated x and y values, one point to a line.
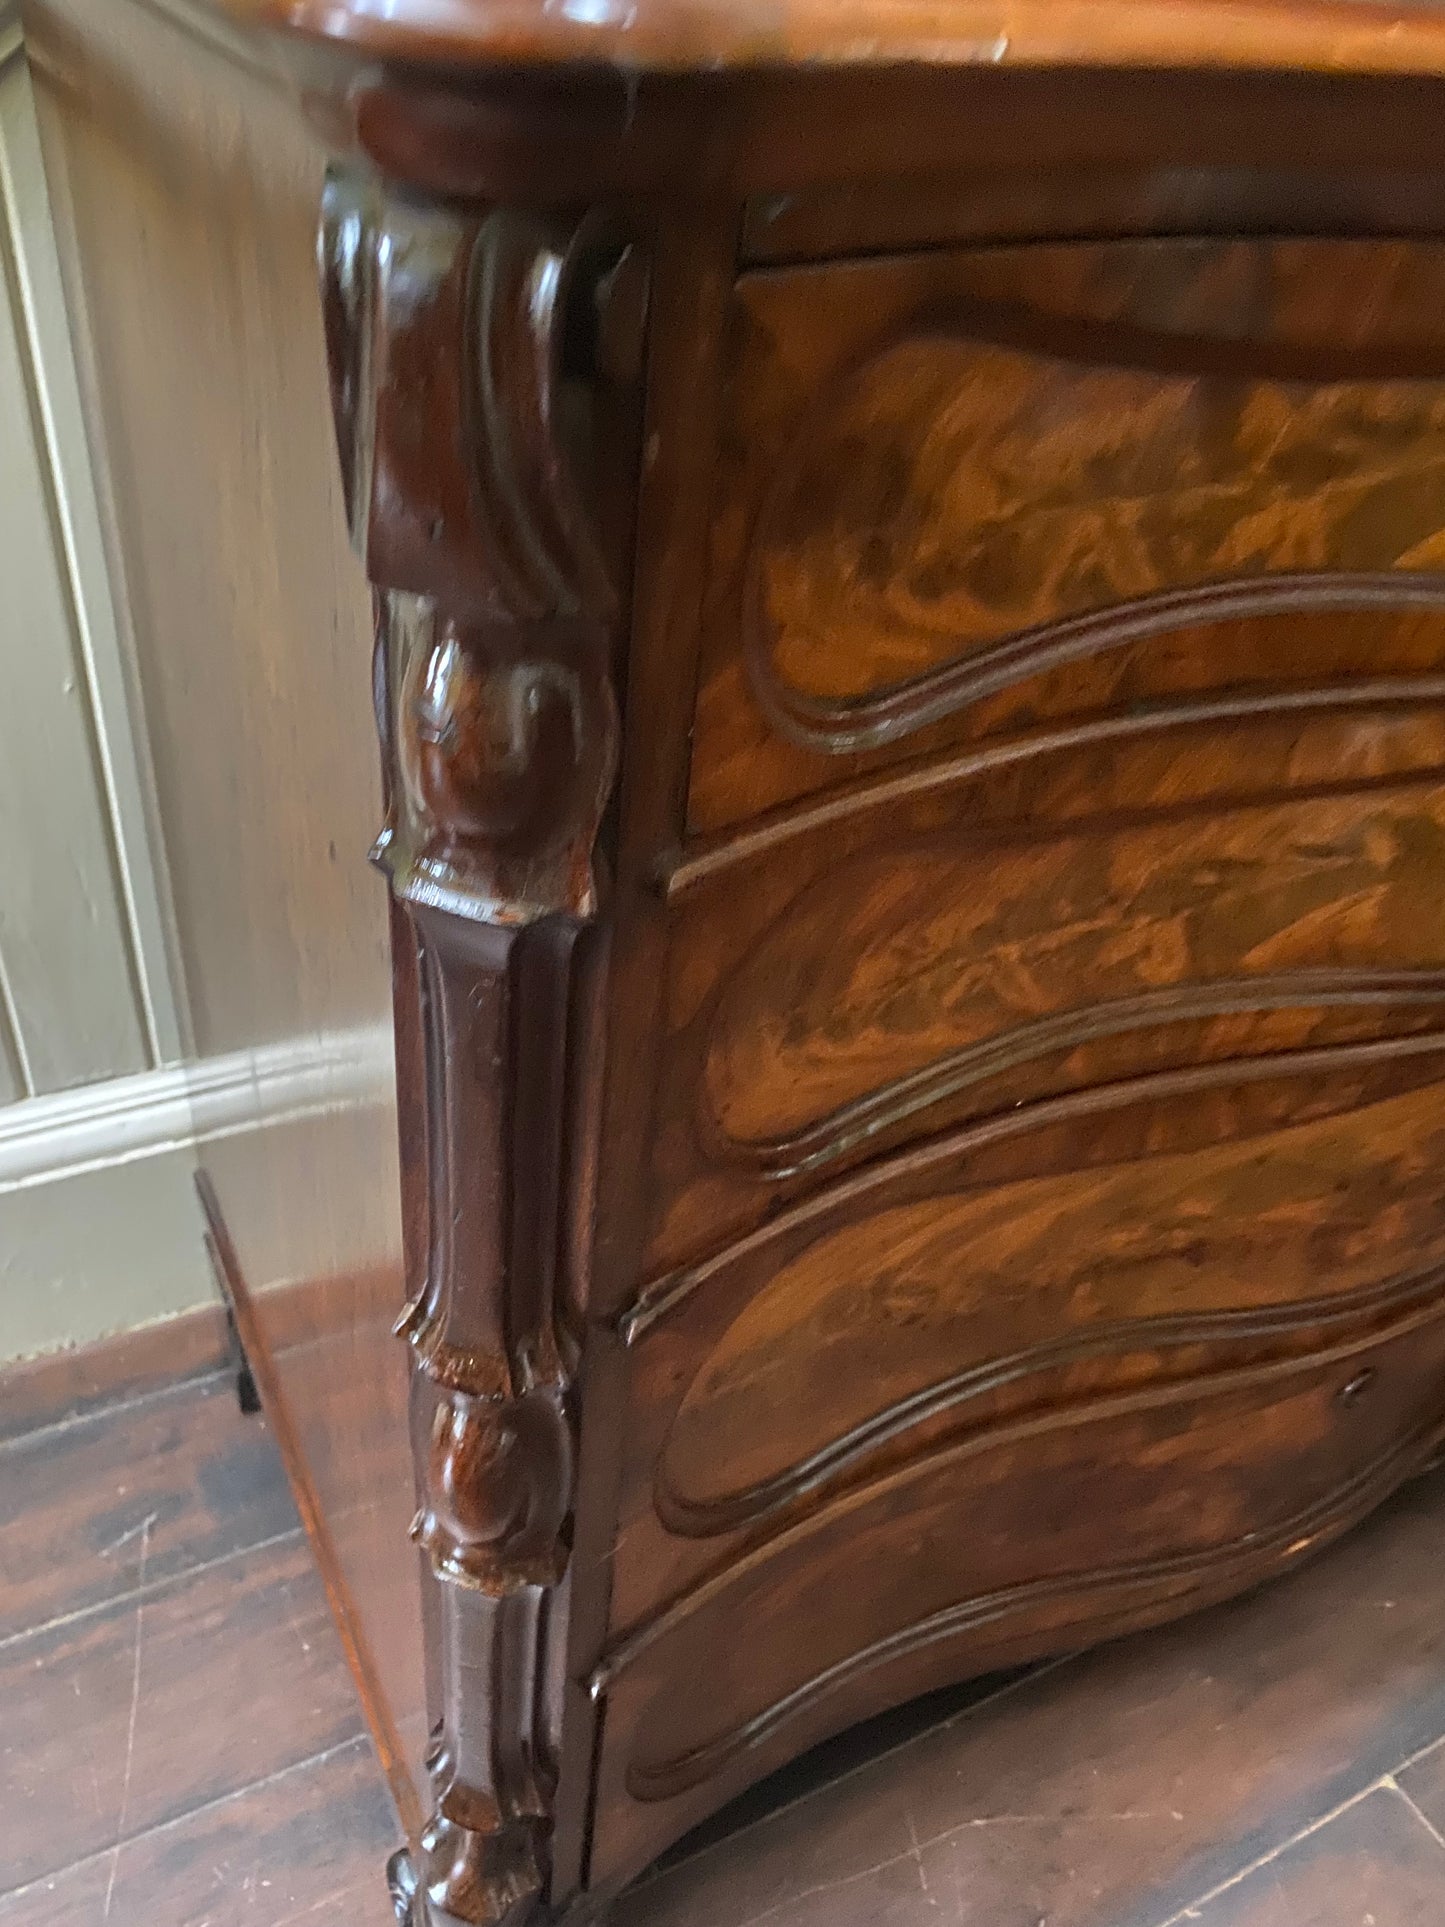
587	1910
401	1884
452	334
497	1870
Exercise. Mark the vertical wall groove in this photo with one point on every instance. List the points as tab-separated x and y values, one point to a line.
105	860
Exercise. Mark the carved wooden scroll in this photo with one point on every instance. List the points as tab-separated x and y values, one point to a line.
465	345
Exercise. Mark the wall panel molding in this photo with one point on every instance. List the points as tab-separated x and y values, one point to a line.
102	1125
99	1229
113	1006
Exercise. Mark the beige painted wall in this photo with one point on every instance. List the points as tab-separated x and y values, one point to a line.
185	186
98	1226
193	949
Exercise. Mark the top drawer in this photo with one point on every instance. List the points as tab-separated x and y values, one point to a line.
1002	497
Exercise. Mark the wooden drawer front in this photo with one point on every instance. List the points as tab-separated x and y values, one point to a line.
989	1549
1048	1232
1128	1240
979	498
1070	1361
907	968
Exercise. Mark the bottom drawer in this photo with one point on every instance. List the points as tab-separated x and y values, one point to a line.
999	1548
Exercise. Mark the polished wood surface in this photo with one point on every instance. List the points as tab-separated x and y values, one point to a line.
1350	35
1217	1463
856	1322
1026	472
910	660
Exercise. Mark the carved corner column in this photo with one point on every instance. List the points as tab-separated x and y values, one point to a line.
465	346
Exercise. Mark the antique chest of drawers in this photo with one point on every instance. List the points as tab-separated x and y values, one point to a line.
909	560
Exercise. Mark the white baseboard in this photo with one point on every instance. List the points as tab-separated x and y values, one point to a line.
124	1118
99	1231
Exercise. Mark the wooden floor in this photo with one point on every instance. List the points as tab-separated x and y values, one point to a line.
180	1747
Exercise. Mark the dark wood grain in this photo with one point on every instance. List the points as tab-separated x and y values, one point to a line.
182	1471
303	1845
58	1385
855	1327
857	1571
867	981
770	1403
1030	506
922	1233
102	1707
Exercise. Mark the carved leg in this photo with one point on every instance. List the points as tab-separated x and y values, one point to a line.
401	1884
446	332
587	1910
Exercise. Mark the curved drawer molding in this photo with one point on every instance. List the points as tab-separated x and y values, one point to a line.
901	973
1122	1117
1407	705
909	967
813	1349
1098	1603
1168	1342
1009	492
841	726
846	1130
957	514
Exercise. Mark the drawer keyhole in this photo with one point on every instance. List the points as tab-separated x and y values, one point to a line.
1356	1387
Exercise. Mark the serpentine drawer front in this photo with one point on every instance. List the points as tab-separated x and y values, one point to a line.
1051	1101
910	598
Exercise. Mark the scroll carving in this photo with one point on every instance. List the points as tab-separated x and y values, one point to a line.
466	348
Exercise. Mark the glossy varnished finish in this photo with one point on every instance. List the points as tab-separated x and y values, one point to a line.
871	979
911	682
498	593
1355	35
1023	477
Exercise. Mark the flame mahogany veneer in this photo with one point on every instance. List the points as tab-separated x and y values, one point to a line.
909	566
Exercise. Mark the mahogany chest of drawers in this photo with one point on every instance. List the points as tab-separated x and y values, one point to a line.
909	566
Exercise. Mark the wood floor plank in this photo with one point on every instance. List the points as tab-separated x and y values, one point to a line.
1423	1782
1374	1865
842	1855
36	1392
1113	1790
75	1498
307	1848
131	1714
